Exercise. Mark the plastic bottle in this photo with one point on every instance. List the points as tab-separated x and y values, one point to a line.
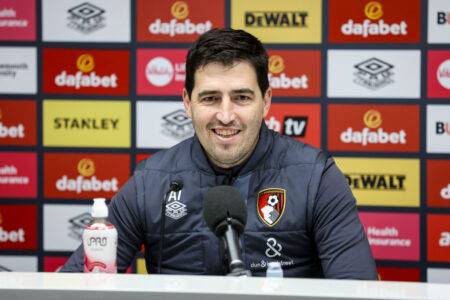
100	241
274	269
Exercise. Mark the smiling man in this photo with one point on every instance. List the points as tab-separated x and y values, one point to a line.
301	211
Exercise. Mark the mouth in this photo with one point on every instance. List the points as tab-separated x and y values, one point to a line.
226	132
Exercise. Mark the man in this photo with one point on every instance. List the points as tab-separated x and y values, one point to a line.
300	209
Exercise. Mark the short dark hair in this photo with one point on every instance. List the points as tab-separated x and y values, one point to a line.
227	46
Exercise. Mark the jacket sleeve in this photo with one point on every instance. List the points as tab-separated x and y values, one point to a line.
340	239
124	215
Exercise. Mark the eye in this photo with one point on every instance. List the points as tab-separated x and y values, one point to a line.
243	98
209	99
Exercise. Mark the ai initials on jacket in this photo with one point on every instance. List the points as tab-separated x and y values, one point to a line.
174	208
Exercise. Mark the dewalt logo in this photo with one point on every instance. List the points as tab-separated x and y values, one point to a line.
276	19
390	182
179	10
373	10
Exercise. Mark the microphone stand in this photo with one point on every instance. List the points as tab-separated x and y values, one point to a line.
231	242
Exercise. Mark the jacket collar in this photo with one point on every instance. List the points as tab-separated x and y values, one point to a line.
261	150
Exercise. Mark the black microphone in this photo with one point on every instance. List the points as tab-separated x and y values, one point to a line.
225	214
174	186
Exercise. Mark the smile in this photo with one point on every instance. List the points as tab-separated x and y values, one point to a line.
226	132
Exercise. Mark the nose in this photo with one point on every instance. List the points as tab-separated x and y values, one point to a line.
226	113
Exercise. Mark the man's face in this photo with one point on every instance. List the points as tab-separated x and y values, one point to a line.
227	108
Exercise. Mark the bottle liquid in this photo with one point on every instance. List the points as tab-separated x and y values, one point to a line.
274	269
100	241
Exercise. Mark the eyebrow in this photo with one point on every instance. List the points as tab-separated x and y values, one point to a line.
215	92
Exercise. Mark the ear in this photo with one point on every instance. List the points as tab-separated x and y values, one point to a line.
187	103
267	101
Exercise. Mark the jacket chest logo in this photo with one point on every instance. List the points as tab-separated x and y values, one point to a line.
174	208
270	205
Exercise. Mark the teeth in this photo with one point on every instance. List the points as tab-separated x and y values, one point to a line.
226	132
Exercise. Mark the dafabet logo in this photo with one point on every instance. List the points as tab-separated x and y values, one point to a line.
279	22
294	72
383	182
98	123
373	127
177	21
18	233
392	235
84	175
300	121
84	72
438	238
17	122
374	21
17	20
438	183
161	71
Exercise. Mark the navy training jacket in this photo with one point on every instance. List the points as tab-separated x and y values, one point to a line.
301	212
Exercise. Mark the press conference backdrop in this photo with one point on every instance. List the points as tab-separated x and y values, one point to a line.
90	87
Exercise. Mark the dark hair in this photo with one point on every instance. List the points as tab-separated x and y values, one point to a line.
227	46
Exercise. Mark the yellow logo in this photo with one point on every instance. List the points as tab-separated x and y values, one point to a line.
372	118
382	181
1	114
86	167
373	10
1	219
276	64
180	10
85	63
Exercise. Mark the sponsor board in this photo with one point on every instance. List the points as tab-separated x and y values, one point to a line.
438	76
356	21
86	72
17	20
438	21
398	274
141	267
383	181
161	71
18	171
18	70
161	124
84	175
392	236
294	72
64	225
435	275
438	183
16	263
365	127
374	73
18	227
438	128
438	237
91	123
86	21
300	121
54	263
281	22
177	21
18	122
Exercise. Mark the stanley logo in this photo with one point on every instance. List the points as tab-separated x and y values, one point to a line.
372	119
86	167
373	10
380	182
282	19
276	64
85	63
179	10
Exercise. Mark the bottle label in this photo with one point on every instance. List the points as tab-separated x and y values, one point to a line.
100	249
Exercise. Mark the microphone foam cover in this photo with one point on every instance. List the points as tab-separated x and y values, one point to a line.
221	202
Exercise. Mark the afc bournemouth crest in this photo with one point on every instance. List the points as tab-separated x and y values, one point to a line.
270	205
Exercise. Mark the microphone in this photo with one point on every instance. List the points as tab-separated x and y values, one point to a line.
174	186
225	214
